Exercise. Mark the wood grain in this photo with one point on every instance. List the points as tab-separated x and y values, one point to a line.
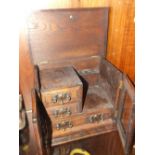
120	52
108	144
26	74
65	34
121	29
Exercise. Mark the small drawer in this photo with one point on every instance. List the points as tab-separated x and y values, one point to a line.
61	112
62	96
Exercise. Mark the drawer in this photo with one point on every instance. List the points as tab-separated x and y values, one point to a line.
63	96
58	113
76	121
85	131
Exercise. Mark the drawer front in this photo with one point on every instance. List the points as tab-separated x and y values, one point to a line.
75	122
57	113
62	96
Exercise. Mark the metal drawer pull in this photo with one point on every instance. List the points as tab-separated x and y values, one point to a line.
61	98
95	118
66	97
63	111
54	99
64	125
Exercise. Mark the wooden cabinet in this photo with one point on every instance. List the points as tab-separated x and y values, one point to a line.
68	37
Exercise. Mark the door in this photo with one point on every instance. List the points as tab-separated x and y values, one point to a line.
41	125
126	114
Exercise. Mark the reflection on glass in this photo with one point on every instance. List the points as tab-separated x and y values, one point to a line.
125	118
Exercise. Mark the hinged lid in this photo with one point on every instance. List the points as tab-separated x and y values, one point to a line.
67	34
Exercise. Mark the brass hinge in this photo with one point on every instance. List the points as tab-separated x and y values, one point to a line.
120	84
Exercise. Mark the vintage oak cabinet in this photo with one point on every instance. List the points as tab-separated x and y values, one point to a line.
90	96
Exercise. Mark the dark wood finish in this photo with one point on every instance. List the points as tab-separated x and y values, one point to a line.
126	115
113	76
73	29
75	93
52	110
59	87
121	32
133	150
26	71
80	64
57	78
97	80
36	123
85	131
41	125
97	102
107	143
107	76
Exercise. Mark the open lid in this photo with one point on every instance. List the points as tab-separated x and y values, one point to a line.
67	34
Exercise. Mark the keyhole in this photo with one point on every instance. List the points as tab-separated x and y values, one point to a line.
71	16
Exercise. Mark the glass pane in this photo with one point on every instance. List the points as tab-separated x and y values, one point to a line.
127	110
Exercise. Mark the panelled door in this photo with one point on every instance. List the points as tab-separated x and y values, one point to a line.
126	114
